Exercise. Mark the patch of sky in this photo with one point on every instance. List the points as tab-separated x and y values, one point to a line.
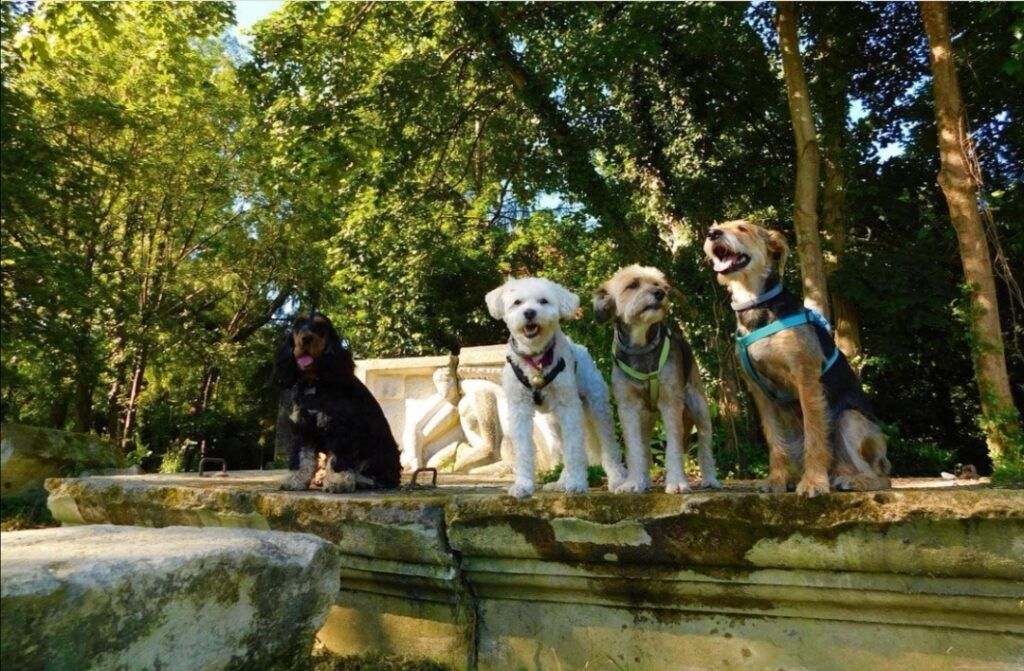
247	13
858	111
558	94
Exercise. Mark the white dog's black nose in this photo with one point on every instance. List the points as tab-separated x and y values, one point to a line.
658	294
714	234
529	314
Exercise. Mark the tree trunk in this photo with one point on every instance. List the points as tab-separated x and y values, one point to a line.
84	386
1000	419
844	313
132	402
210	377
114	408
805	199
59	410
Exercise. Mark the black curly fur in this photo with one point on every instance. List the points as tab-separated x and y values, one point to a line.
356	433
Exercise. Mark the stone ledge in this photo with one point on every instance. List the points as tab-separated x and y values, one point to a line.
958	533
486	581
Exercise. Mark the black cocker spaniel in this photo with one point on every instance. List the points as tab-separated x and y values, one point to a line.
332	412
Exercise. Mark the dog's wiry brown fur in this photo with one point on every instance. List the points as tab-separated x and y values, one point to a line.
636	298
848	452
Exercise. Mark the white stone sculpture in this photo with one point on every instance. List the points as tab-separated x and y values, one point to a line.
461	426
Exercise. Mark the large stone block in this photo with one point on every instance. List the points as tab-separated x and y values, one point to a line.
29	455
108	597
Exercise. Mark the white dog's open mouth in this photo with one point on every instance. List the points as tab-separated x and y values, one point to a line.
726	260
531	330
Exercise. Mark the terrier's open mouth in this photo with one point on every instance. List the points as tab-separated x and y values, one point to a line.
305	361
726	260
531	330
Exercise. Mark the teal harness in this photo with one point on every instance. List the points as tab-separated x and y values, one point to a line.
743	343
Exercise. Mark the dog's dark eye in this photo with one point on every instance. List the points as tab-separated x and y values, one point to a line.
743	229
517	302
543	301
635	284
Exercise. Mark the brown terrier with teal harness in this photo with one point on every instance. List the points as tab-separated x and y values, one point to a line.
814	413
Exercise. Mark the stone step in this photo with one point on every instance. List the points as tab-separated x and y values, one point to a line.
121	597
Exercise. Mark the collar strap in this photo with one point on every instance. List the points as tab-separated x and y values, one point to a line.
537	361
650	377
535	385
628	349
763	298
743	343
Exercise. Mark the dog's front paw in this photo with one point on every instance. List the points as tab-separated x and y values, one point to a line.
296	481
811	487
339	482
578	485
772	486
616	478
710	482
682	487
522	490
630	487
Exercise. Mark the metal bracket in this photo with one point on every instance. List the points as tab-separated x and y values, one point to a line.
433	480
223	466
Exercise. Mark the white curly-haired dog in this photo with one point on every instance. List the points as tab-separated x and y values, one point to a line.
655	372
548	373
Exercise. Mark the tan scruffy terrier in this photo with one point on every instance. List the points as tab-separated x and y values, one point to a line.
814	412
654	372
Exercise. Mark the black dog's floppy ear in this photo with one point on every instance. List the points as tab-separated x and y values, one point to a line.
286	371
333	339
604	306
336	362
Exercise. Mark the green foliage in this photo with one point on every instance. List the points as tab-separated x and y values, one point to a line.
27	511
171	199
595	475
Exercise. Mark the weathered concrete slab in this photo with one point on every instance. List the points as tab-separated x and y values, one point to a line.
927	575
117	597
29	455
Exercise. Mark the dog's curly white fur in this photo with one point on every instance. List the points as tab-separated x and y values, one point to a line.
532	308
636	298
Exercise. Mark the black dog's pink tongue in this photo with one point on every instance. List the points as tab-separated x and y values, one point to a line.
304	361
